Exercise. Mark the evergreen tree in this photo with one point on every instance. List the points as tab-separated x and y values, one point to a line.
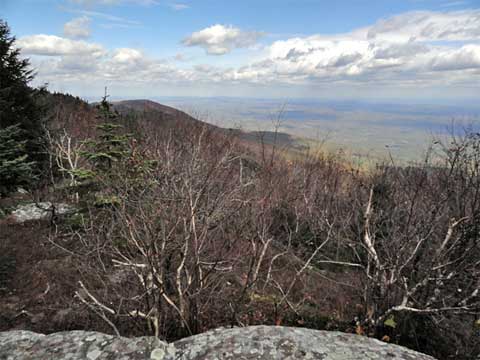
20	111
15	169
111	145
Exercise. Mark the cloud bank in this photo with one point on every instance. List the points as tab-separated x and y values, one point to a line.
411	51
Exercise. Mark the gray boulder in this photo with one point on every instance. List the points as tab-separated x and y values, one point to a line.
40	211
257	342
272	342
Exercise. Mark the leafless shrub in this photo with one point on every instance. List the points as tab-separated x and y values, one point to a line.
216	233
420	240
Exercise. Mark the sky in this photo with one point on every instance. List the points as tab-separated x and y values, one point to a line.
344	49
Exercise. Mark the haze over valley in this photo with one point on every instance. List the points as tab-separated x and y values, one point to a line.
362	129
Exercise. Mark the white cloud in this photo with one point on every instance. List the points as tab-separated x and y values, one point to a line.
104	16
51	45
465	58
429	26
126	55
179	6
78	28
398	50
221	39
108	21
179	57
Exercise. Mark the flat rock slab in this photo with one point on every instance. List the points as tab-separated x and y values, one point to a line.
257	342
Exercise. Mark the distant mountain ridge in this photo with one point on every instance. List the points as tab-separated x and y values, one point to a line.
165	113
144	105
170	114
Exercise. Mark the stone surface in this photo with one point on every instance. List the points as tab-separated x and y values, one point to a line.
264	342
40	211
75	345
258	342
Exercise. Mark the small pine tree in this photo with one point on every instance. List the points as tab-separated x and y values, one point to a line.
111	146
115	159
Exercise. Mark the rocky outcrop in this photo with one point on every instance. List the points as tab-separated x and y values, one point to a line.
40	211
258	342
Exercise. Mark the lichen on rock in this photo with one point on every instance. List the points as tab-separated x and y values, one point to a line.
75	345
257	342
265	342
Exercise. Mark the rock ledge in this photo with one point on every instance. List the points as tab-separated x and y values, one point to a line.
257	342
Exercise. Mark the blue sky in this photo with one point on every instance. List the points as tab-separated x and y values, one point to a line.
284	48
